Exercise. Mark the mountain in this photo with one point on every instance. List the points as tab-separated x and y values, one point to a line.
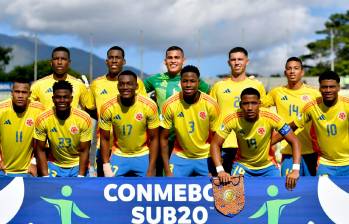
23	54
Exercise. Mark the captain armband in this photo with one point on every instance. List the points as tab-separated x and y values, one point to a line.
285	130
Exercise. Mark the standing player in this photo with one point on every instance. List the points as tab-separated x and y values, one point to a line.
253	127
329	115
192	114
289	101
104	88
42	89
69	132
132	118
227	93
17	119
167	84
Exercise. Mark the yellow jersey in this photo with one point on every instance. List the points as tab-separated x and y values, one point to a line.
64	136
253	137
192	124
42	91
129	124
332	129
227	94
16	134
289	104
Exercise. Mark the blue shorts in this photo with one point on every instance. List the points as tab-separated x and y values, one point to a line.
57	171
332	170
3	174
184	167
129	166
270	171
307	166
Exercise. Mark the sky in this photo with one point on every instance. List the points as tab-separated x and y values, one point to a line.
271	30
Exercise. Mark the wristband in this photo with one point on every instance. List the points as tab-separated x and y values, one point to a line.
33	161
81	175
296	166
46	176
219	168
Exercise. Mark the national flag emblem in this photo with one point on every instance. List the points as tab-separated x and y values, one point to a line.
74	130
261	131
29	122
202	115
139	116
342	116
305	98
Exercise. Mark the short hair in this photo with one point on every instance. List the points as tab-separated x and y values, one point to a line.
190	68
329	75
174	48
128	72
116	48
21	80
61	48
294	59
62	84
250	91
238	49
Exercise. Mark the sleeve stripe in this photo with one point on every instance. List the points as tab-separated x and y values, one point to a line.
212	101
148	102
312	103
232	116
4	105
108	104
83	115
169	101
270	115
344	99
43	116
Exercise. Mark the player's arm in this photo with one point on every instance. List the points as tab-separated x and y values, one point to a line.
32	169
277	137
164	134
290	137
41	159
84	152
153	135
215	150
105	152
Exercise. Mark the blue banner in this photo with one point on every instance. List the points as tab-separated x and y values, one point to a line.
169	200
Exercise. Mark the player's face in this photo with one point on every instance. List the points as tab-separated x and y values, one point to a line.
329	90
294	72
60	62
115	61
174	61
189	83
127	86
238	62
250	107
62	99
20	94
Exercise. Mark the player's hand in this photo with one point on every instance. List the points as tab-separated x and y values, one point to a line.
108	172
224	177
291	179
168	173
32	170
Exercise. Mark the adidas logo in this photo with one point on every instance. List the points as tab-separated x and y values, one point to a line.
284	98
180	114
227	91
49	90
103	92
53	130
117	117
7	122
322	117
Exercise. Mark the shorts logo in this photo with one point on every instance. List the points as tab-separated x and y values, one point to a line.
305	98
261	131
29	122
139	116
342	116
202	115
74	130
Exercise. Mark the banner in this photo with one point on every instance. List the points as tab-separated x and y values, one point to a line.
169	200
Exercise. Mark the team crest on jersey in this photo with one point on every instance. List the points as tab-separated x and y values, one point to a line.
342	116
139	116
261	131
74	130
29	122
202	115
305	98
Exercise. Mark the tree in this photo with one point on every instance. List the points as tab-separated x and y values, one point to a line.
5	57
320	50
27	71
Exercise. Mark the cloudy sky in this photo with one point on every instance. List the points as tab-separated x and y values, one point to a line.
271	30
